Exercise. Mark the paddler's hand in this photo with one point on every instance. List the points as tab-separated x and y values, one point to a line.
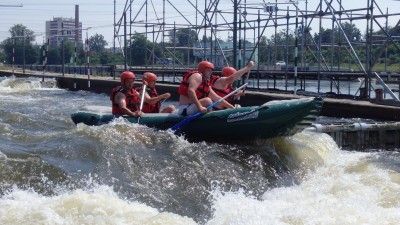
250	64
138	113
166	95
236	96
203	109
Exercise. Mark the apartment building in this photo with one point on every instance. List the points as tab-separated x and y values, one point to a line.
60	27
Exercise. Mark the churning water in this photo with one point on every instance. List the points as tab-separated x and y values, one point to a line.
54	172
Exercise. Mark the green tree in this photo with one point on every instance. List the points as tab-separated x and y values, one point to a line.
140	47
105	58
97	43
20	42
20	31
350	30
384	47
54	55
337	38
31	53
2	57
280	41
184	37
263	50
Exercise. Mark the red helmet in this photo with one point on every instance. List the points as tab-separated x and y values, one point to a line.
127	75
227	71
204	64
149	77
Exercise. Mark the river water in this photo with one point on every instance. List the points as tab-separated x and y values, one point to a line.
54	172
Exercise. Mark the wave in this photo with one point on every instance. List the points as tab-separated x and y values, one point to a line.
347	188
100	205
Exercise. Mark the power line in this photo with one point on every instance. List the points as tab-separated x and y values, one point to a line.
11	5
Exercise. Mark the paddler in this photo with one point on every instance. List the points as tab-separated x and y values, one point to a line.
125	99
195	92
222	86
152	104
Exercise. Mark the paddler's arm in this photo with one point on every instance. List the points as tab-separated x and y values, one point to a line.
154	100
214	97
229	80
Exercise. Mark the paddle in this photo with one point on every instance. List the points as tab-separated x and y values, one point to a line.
190	118
142	100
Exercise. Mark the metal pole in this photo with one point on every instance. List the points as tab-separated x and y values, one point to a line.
125	43
287	48
23	53
74	64
189	44
63	58
240	40
258	35
75	59
244	35
13	57
319	46
173	65
296	48
62	48
45	54
145	45
88	57
235	12
113	69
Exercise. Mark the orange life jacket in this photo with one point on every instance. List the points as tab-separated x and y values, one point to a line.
132	100
202	90
151	108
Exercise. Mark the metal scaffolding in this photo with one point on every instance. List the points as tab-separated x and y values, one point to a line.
243	24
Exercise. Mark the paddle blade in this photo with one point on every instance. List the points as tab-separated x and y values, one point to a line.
185	121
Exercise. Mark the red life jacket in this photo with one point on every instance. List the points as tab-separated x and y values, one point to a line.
202	90
222	93
148	108
132	100
213	79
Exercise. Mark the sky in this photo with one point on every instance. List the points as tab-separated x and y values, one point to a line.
99	14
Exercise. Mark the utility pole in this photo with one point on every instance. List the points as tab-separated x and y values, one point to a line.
23	54
62	48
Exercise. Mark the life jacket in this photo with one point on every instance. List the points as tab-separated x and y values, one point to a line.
132	100
213	79
150	108
202	90
222	93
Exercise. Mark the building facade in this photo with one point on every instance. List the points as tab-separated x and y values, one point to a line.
60	27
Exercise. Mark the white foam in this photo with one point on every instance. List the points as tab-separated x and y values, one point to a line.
347	189
99	206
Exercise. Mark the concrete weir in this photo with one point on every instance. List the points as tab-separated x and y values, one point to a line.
362	136
355	136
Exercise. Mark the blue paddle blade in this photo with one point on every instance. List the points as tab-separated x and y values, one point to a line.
185	121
